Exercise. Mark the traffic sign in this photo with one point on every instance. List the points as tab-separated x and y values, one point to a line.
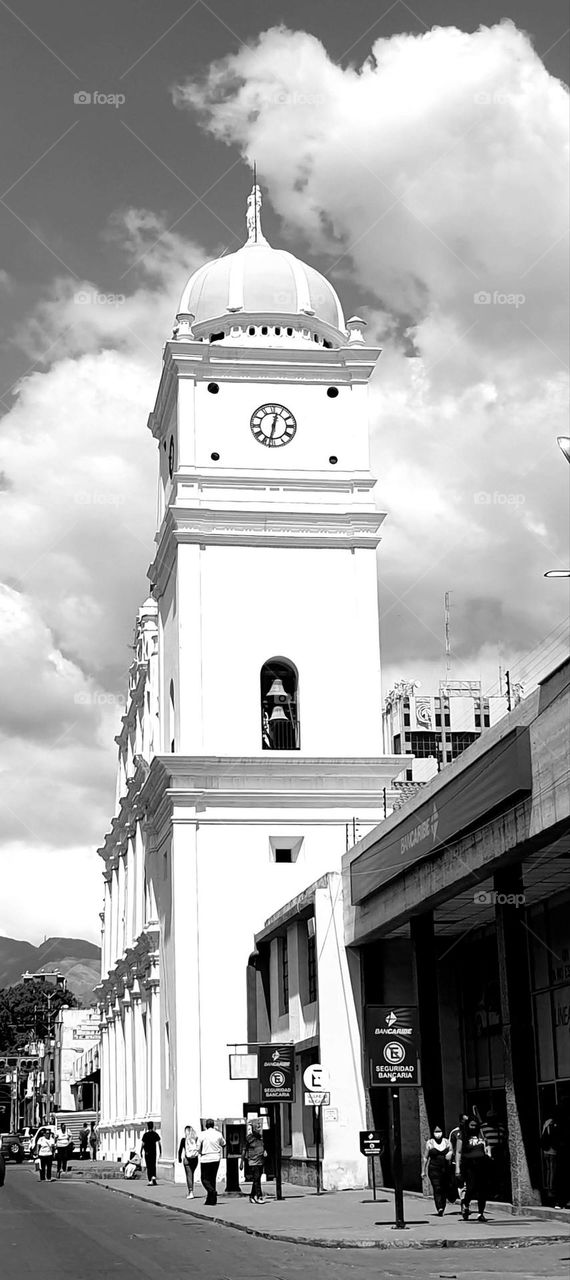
392	1044
317	1098
315	1077
371	1142
277	1072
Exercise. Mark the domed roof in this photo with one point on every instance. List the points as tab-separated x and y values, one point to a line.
258	280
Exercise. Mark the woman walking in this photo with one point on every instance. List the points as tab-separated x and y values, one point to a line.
188	1153
62	1148
435	1164
471	1164
44	1153
254	1154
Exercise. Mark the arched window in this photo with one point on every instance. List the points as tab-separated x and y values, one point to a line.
280	729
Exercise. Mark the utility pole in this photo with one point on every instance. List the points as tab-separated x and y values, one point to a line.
447	637
509	691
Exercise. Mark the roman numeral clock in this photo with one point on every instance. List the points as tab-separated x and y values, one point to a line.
273	425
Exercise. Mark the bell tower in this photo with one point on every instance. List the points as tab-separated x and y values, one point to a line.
265	567
251	743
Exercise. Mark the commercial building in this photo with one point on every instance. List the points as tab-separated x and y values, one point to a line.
437	727
301	986
252	737
459	904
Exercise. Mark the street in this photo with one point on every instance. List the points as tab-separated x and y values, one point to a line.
75	1230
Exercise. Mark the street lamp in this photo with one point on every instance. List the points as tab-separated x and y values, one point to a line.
563	443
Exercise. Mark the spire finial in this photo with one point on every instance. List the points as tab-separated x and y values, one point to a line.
253	215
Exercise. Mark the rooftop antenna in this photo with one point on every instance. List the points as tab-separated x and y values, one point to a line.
447	638
255	197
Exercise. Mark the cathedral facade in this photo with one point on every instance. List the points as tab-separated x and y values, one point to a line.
252	735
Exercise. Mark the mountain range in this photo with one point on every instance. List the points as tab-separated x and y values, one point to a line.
77	959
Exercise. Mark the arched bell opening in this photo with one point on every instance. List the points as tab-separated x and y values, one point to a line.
280	728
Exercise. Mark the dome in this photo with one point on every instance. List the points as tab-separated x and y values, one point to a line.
261	284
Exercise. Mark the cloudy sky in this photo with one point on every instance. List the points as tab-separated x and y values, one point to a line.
417	158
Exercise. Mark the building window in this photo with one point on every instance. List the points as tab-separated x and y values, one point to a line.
406	717
460	742
425	744
280	729
397	744
285	848
312	963
283	976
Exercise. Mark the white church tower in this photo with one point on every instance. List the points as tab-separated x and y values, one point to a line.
253	733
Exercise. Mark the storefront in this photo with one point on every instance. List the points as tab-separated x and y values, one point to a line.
460	904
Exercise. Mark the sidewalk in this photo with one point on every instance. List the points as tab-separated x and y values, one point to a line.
350	1219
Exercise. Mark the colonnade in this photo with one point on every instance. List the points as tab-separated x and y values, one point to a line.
130	1066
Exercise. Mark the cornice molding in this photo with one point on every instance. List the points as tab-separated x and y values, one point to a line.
260	528
204	361
199	783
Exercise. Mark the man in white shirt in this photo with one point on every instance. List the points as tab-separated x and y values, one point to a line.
212	1144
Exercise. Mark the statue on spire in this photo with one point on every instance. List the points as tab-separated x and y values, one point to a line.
253	217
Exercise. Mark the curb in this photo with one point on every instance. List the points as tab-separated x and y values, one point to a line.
505	1242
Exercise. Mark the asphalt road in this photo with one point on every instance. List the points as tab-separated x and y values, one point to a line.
74	1230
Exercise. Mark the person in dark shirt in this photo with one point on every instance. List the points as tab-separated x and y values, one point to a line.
150	1148
254	1153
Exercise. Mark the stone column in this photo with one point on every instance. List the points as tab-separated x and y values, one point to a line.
431	1095
129	1057
521	1093
106	950
138	1055
120	1062
155	1043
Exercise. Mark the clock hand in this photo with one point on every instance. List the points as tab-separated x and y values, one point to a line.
274	424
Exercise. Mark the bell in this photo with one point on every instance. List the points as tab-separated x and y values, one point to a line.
277	714
277	690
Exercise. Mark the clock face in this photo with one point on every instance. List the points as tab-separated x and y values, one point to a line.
273	425
171	458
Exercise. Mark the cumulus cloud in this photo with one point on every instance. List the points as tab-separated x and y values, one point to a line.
78	494
434	175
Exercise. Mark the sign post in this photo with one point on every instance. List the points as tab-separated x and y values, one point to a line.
277	1085
371	1145
398	1177
392	1035
315	1079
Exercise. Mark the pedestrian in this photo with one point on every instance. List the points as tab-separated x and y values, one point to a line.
471	1164
435	1164
44	1153
254	1154
84	1142
561	1139
63	1146
212	1145
456	1182
132	1165
188	1152
549	1146
150	1148
93	1140
495	1135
